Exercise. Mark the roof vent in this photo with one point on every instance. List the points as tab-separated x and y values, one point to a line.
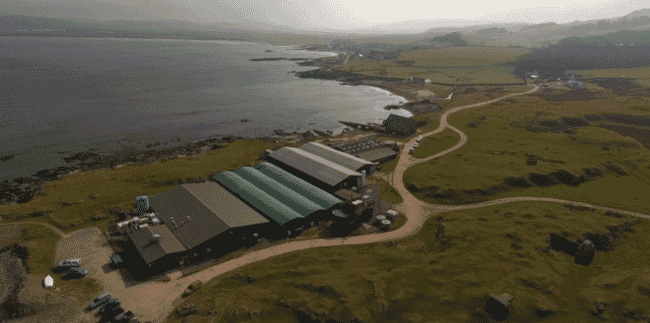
188	218
155	237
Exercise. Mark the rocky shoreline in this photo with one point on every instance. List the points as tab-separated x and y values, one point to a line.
23	189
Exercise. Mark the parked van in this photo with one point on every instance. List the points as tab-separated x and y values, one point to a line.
69	263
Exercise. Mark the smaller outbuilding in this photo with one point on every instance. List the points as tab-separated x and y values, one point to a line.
419	81
400	126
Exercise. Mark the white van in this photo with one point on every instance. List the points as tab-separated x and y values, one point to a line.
69	263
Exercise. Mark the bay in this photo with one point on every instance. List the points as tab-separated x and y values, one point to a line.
59	96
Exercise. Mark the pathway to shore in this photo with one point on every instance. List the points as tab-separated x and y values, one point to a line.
161	298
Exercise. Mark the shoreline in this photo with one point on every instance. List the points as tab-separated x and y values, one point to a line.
23	189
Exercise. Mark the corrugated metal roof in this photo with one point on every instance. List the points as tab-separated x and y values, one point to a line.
152	251
312	165
209	208
313	193
335	156
256	197
229	208
285	195
378	154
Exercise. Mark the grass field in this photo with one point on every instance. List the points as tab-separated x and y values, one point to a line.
474	56
118	188
424	279
387	193
446	65
631	73
434	144
495	150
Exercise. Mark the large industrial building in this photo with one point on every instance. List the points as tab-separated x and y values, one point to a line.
195	218
318	171
298	189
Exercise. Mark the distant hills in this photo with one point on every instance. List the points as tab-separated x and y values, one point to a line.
20	25
519	33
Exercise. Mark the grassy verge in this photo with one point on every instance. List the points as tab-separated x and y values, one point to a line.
41	245
117	188
402	281
389	166
432	145
496	150
387	193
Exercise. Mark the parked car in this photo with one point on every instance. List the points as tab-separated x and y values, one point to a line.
116	261
111	313
101	299
77	272
68	263
112	304
110	317
419	138
193	287
123	316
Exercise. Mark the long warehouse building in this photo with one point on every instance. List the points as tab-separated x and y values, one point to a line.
318	171
341	158
264	203
303	206
313	193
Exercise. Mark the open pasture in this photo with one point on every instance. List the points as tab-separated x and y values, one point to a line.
452	265
497	149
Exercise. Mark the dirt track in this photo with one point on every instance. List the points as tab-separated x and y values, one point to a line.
154	301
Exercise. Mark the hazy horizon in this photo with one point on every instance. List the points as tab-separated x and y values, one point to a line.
325	15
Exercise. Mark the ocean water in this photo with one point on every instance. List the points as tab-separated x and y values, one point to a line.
59	96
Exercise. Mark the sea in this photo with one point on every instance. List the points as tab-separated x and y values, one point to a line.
60	96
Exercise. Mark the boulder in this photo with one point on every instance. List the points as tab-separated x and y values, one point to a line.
498	306
531	160
586	252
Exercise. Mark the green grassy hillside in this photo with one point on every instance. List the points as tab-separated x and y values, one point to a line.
434	277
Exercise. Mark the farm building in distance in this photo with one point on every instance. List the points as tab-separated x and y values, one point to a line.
419	81
195	218
399	126
318	171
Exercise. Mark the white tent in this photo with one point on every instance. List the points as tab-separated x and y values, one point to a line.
48	282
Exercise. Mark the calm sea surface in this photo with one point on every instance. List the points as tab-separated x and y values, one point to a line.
59	96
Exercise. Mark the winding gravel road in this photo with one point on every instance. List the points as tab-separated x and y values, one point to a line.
154	301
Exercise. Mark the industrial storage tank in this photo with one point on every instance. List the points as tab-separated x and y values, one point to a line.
385	225
142	203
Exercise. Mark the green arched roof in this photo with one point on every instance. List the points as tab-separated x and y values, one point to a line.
285	195
256	197
313	193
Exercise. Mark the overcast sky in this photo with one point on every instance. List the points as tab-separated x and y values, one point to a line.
329	15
